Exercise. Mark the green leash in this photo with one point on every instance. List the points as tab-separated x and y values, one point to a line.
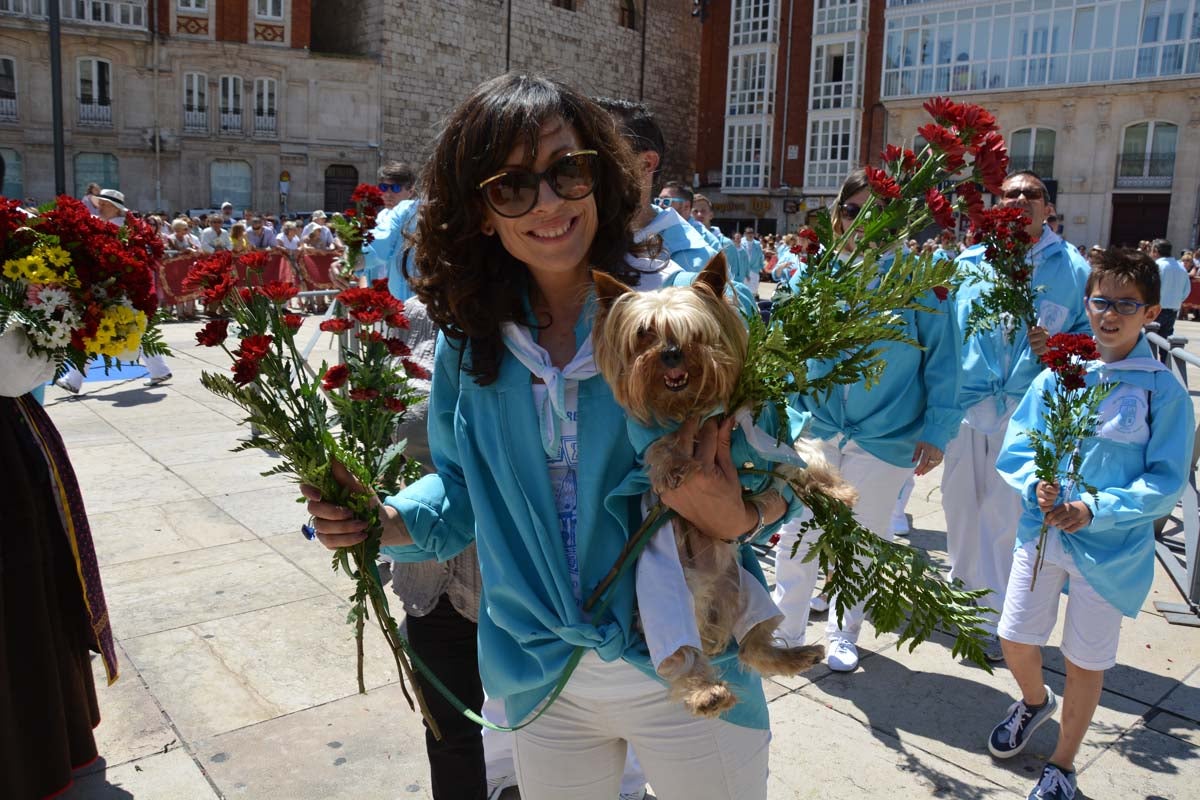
628	557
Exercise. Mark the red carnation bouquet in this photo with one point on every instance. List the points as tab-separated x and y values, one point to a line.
355	224
315	419
1070	417
74	286
1008	299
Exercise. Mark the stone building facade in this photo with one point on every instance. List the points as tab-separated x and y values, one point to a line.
183	104
1100	97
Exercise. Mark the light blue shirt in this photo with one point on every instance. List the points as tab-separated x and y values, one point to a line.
914	399
1138	462
682	243
717	241
384	256
491	486
1176	285
754	254
786	264
992	368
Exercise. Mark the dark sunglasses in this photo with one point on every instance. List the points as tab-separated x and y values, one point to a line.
849	210
1031	193
514	192
393	187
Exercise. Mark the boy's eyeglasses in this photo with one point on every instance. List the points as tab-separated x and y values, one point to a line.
393	187
1123	307
1030	192
514	192
667	202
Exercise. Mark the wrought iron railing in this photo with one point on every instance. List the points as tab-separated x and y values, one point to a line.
8	109
195	120
231	122
97	114
1145	172
265	124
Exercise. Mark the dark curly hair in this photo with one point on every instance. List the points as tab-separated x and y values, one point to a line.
469	283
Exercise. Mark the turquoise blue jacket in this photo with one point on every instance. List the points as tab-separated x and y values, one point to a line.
914	399
993	368
682	243
491	486
787	264
756	258
720	244
384	255
1139	474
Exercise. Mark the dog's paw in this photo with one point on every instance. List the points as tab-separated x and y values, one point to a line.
667	465
710	701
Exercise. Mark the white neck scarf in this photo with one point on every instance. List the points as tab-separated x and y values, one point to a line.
552	409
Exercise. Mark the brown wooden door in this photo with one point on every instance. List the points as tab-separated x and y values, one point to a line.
340	182
1138	216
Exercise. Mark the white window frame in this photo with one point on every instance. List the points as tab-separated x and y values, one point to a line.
230	91
197	6
826	94
753	22
268	9
95	79
826	162
195	119
8	105
1145	179
1029	160
741	170
268	89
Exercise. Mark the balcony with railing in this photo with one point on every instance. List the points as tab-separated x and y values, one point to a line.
130	14
195	120
1043	166
8	109
95	114
1145	172
231	122
265	124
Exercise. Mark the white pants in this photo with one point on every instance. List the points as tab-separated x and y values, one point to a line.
155	365
576	749
878	484
981	515
498	751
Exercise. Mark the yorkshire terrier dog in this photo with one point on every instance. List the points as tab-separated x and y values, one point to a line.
670	355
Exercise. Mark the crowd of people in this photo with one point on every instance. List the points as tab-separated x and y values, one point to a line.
533	187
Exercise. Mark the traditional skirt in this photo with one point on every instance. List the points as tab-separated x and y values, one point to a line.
48	704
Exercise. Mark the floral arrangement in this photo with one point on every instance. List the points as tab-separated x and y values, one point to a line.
321	420
845	307
1008	300
78	286
1070	418
354	226
809	244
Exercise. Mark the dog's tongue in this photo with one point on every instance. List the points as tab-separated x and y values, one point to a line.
675	375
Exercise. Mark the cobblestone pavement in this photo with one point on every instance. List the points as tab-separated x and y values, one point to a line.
238	666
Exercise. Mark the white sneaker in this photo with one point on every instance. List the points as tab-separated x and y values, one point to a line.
819	604
496	786
639	794
842	655
899	525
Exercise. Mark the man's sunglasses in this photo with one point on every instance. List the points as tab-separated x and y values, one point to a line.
1125	308
1030	192
849	210
393	187
514	192
667	202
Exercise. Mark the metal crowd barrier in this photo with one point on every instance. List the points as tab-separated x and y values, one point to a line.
1186	573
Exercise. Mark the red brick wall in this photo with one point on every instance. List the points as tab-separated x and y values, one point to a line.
714	66
791	88
162	19
874	121
301	23
232	20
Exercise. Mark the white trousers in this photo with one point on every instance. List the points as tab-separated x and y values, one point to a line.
577	749
878	484
981	515
155	365
498	751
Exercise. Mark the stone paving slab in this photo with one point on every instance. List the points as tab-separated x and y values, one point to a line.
163	530
267	511
167	776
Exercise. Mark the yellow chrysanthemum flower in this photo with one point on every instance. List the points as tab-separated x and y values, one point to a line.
56	255
12	269
119	332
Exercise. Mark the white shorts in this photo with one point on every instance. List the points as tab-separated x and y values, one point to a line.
1093	625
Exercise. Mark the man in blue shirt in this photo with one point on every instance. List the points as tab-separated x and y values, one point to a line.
1175	285
387	254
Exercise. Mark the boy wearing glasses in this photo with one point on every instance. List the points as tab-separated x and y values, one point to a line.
981	511
388	252
1102	541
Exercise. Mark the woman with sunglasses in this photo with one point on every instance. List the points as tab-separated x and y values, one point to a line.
877	436
529	189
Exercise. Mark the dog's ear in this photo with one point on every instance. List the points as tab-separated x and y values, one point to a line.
715	275
608	289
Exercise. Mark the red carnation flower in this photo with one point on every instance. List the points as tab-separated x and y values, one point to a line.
335	377
367	316
939	207
883	184
943	110
279	292
973	201
891	154
293	321
415	370
214	333
245	370
395	405
254	348
363	394
974	124
909	161
336	325
941	292
397	320
991	162
944	142
397	347
247	295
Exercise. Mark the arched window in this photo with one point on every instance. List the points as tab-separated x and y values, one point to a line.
340	181
628	17
231	181
1147	155
1033	149
98	168
13	186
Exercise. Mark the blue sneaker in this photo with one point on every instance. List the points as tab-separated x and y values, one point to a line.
1010	736
1056	784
